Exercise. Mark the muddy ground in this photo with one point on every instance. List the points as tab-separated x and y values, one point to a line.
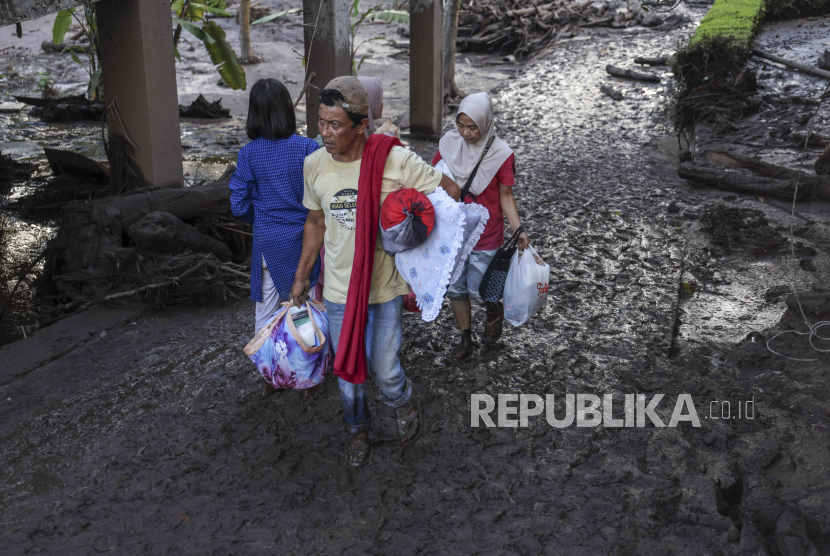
151	439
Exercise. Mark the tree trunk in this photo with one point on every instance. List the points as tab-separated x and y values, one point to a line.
745	182
820	184
246	55
451	91
185	203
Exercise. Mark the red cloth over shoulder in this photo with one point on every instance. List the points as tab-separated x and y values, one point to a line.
350	360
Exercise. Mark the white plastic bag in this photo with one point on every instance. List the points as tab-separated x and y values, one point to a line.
526	288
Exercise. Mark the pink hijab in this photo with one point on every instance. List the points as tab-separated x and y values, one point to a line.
374	87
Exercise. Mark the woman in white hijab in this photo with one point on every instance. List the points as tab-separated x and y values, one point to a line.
460	150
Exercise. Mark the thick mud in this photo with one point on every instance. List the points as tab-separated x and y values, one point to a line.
152	440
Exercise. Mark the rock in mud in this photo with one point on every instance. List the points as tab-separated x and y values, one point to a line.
161	231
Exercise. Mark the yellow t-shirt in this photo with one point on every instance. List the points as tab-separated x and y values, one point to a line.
332	187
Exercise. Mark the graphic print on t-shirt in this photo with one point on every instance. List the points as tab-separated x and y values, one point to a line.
343	206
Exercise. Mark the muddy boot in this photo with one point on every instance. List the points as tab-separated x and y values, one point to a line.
410	421
493	323
466	348
358	449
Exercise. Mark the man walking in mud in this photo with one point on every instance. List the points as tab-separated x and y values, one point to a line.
345	184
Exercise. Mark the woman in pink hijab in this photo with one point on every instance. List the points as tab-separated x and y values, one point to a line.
374	87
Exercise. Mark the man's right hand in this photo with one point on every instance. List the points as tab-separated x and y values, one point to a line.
300	292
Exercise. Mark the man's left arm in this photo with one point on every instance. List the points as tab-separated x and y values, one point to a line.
417	174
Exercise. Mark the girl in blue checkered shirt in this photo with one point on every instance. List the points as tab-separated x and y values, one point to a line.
267	192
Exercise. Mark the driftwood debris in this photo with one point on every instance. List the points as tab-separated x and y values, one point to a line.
74	164
185	203
613	93
49	46
741	181
820	185
163	232
201	108
811	70
525	28
628	74
162	245
65	109
661	61
756	177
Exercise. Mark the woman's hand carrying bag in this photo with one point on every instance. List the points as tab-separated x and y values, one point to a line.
492	285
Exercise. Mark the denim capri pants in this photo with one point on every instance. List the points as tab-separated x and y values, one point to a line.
466	287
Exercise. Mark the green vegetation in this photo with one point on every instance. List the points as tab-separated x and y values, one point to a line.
722	43
732	20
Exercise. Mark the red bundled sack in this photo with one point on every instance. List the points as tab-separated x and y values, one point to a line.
406	219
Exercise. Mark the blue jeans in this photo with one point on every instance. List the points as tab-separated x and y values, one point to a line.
384	336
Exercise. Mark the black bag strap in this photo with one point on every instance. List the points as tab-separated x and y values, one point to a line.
466	190
513	242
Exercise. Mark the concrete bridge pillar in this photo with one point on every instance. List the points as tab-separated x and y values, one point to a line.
136	43
426	46
329	55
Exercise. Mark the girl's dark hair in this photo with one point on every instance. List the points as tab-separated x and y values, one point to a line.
328	96
270	111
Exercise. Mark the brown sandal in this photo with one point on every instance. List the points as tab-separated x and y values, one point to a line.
493	326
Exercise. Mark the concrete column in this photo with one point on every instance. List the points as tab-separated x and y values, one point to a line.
330	55
136	43
426	45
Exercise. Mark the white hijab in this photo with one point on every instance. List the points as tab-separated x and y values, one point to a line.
461	157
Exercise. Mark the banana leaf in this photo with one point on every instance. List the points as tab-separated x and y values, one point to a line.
62	22
224	58
195	30
272	17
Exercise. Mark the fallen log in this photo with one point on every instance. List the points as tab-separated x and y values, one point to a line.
185	203
526	11
662	61
628	74
820	185
791	64
742	182
616	95
49	46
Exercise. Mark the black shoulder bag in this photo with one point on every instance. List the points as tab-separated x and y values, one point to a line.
466	190
492	285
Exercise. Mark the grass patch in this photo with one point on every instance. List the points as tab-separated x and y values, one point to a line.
733	20
721	44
